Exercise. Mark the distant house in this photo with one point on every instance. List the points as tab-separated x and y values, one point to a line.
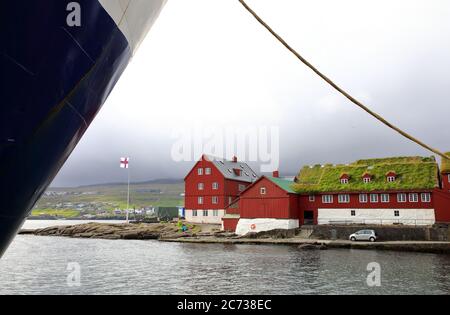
211	185
400	190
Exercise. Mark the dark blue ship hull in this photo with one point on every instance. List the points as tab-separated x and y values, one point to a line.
53	80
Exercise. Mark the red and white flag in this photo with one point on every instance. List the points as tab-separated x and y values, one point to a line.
124	162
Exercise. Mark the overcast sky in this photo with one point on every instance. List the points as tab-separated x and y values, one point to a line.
209	64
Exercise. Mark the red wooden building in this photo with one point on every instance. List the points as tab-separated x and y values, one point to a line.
405	190
269	203
211	185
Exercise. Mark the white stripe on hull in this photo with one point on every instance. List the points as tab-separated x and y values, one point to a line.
134	17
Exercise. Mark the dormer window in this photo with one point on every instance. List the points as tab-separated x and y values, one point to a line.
391	177
237	172
367	178
345	178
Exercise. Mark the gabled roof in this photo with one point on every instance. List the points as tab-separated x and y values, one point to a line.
286	185
413	173
445	166
227	169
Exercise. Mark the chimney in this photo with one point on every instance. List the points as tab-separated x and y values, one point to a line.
276	174
235	159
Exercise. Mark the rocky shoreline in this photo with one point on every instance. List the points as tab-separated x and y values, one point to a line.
140	231
197	234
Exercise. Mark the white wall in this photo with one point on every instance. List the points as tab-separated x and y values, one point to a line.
260	225
377	216
210	219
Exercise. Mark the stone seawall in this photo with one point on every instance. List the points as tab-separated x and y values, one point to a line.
385	233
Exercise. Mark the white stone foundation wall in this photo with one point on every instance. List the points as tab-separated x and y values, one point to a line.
260	225
200	219
377	216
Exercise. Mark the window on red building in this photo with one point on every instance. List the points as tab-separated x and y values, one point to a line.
426	197
327	198
363	198
200	186
401	198
215	185
208	171
413	197
262	191
373	198
312	198
241	187
385	198
200	171
215	200
391	179
344	198
200	200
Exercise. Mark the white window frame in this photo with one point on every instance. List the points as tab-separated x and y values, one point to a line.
200	200
374	198
201	186
215	213
312	198
402	198
327	199
367	180
385	198
413	197
215	200
215	186
194	213
205	213
425	197
344	198
344	180
208	171
364	199
263	191
391	179
200	171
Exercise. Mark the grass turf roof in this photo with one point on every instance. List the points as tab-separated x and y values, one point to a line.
445	167
412	173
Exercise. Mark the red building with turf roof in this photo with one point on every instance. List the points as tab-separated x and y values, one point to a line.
402	190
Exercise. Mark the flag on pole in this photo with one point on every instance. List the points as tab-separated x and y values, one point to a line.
124	162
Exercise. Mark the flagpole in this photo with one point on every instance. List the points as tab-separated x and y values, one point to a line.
128	195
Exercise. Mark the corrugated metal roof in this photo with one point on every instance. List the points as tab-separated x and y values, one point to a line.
227	169
284	184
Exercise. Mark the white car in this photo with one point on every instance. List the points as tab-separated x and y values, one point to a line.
364	235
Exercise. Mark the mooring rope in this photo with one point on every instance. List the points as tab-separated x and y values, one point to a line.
339	89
